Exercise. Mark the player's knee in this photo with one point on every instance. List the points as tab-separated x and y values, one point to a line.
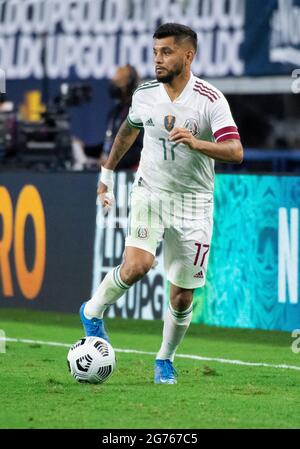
134	271
181	301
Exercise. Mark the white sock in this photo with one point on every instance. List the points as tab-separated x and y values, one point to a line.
109	291
175	327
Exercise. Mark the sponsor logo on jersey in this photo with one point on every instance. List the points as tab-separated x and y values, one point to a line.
169	122
199	275
149	122
142	233
192	125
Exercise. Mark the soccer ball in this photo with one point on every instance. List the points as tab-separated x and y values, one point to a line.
91	359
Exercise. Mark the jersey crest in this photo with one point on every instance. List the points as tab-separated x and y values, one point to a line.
192	125
169	122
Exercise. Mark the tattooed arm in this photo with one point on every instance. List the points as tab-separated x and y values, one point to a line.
123	141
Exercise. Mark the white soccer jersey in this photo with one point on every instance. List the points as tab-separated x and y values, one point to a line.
171	167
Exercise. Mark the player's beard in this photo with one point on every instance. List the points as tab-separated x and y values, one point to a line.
171	75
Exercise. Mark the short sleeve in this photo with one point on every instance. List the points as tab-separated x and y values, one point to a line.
221	121
134	118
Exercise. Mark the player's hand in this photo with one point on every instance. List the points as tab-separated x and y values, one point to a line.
105	190
105	198
183	135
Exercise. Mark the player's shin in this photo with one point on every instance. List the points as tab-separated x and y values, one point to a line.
109	291
175	327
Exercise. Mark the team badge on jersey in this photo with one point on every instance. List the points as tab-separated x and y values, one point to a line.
169	122
142	233
192	125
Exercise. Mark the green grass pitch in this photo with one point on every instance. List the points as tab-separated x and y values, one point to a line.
37	390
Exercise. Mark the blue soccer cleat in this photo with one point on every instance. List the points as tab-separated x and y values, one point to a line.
93	327
164	372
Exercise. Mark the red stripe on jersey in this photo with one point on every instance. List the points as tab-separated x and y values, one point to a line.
208	90
226	129
229	136
201	92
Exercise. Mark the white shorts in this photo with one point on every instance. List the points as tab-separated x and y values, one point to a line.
186	234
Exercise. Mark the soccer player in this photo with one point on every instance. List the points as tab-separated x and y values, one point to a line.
187	124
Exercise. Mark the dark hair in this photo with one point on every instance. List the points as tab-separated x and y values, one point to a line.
177	31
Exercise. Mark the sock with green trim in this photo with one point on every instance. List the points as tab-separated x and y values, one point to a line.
109	291
175	326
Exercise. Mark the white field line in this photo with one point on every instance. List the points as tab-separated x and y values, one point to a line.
183	356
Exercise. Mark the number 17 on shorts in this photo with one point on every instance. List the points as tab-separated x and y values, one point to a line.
201	259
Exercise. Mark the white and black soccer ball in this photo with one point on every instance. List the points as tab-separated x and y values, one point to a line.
91	359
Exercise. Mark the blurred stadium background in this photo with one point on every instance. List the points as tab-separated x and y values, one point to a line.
56	61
